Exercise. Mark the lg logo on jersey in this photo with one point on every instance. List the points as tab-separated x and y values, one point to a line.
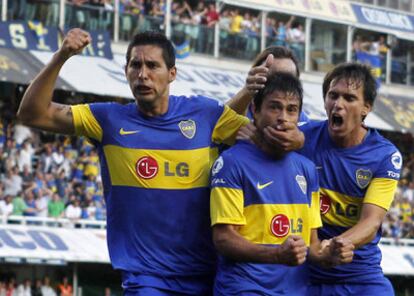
281	225
147	168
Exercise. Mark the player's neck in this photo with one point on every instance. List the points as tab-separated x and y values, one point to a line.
351	139
153	108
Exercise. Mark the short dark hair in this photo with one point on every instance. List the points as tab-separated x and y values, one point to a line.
283	82
278	52
156	39
353	72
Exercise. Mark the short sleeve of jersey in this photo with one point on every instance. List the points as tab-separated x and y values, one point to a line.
382	187
227	125
226	199
313	191
87	120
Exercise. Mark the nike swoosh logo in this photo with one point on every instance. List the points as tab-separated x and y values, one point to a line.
123	132
261	186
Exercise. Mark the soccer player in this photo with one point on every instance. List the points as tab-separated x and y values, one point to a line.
272	59
155	156
265	206
358	175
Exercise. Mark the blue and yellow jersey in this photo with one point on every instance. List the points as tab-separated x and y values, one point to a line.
155	172
348	178
270	199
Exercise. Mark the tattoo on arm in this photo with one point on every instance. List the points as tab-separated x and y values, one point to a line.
69	111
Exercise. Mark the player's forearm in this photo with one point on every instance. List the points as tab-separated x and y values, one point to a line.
362	233
38	96
240	102
239	249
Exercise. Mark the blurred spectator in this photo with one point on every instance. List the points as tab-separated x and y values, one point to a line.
6	206
13	182
21	133
25	156
296	38
56	207
73	211
37	288
25	288
19	206
65	289
11	287
31	209
46	289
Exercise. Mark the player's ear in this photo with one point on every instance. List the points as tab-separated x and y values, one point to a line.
172	74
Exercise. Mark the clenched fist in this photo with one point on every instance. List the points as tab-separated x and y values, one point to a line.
293	251
74	42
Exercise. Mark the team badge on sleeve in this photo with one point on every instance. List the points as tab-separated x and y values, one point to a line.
363	177
396	160
302	183
217	166
188	128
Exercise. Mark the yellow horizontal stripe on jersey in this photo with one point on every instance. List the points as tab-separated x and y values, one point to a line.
341	210
174	169
226	206
85	123
227	126
273	223
381	192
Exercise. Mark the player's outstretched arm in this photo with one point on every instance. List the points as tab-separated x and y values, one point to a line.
255	81
330	253
232	245
367	227
37	109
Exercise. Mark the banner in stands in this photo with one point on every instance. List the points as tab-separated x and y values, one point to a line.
324	9
384	18
49	245
33	36
17	66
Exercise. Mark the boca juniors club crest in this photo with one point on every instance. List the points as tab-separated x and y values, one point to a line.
363	177
302	183
188	128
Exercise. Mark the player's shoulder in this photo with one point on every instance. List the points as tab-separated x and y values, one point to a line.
196	102
312	126
302	161
237	153
383	146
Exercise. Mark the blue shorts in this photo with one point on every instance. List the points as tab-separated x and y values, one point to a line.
383	288
135	284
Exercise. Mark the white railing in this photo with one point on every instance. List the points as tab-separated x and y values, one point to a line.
52	222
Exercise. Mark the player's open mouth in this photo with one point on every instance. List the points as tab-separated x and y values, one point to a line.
336	120
143	89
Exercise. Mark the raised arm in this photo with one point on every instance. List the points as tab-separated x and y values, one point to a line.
232	245
255	81
37	109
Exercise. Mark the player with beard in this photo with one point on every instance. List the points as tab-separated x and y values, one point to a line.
155	156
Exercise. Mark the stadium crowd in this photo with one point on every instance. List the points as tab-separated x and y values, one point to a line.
60	178
40	287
